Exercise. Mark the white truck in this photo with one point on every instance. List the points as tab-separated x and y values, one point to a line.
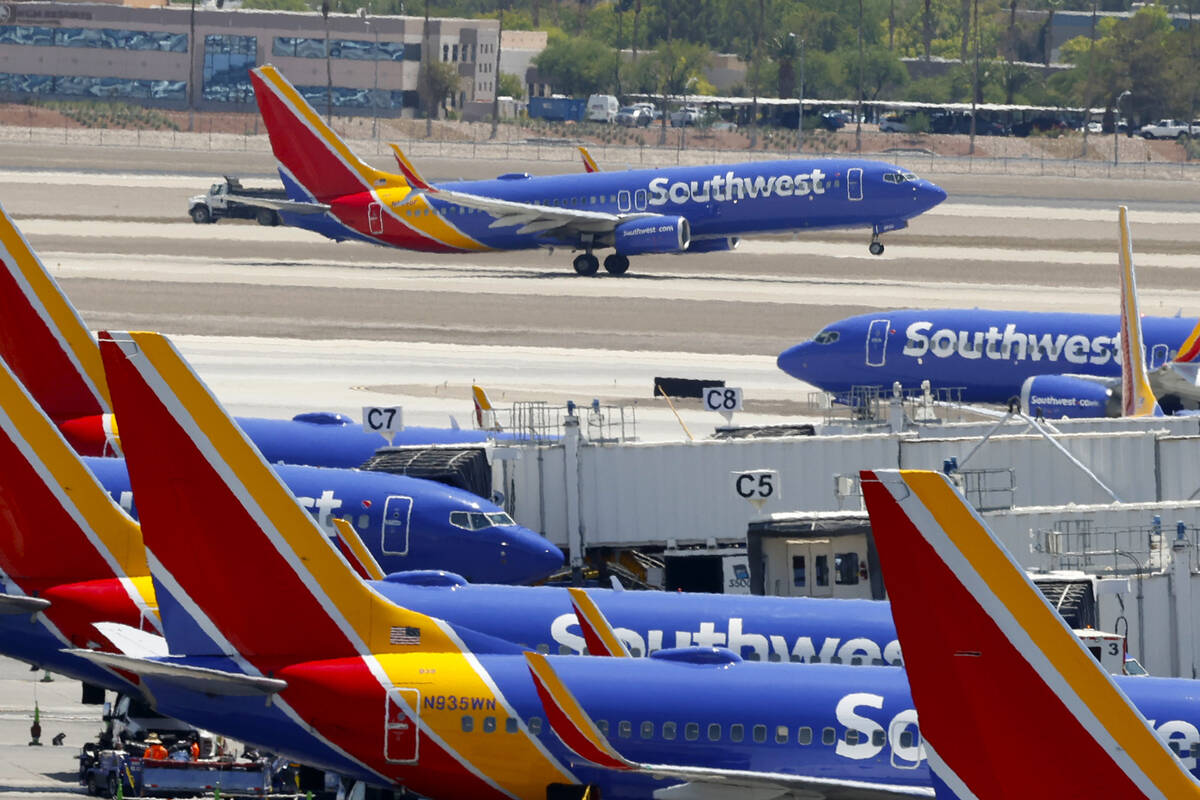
232	199
1168	129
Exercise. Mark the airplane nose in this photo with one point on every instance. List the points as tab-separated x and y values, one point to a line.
930	194
530	557
793	361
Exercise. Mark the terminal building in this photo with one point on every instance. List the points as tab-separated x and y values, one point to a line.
65	51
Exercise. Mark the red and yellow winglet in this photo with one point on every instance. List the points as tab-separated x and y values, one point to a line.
967	617
408	170
42	336
1190	349
589	163
352	547
1137	397
569	720
601	639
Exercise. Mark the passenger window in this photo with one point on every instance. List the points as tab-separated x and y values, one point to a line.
804	735
691	731
760	733
781	734
845	566
714	732
535	725
737	732
592	200
851	737
602	724
878	739
544	649
624	729
510	725
906	739
364	522
647	730
668	731
468	723
489	724
828	736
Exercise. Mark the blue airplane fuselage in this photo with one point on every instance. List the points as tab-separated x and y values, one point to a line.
988	354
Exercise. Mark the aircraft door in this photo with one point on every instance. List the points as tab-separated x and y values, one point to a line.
639	200
401	726
623	203
877	336
375	218
1158	356
854	183
397	515
904	741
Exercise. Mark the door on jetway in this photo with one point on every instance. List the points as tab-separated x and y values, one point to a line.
854	183
877	336
375	218
401	727
397	514
810	561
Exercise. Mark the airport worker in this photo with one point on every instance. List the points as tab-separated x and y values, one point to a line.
154	749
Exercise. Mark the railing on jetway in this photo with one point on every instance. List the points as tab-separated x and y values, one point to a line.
867	406
538	422
992	489
1074	544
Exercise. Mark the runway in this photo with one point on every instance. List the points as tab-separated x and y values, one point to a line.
281	320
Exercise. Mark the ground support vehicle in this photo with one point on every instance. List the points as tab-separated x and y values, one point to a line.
231	199
105	772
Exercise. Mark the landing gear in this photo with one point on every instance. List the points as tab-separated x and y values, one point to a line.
876	246
616	264
586	264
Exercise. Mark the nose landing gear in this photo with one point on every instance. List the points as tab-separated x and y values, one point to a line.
876	246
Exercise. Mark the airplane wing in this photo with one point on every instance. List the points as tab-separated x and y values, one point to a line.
575	728
531	217
289	206
20	604
186	676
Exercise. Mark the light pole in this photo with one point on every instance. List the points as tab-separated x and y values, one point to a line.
192	69
1117	126
365	13
800	118
328	67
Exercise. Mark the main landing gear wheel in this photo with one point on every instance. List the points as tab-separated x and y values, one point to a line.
876	248
616	264
586	264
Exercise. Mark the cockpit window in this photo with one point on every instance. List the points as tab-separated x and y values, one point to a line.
477	520
898	177
826	337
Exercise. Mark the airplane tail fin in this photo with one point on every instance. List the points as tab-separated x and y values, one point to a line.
57	524
589	163
1137	397
968	618
238	565
42	336
568	719
351	546
601	639
308	149
485	413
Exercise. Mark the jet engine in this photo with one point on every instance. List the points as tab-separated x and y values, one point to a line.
1057	396
658	234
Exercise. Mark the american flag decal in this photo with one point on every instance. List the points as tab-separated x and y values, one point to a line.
405	635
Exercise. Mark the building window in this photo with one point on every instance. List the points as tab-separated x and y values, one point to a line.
228	60
88	86
445	52
106	38
454	52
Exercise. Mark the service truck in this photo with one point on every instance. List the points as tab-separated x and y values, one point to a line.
232	199
108	772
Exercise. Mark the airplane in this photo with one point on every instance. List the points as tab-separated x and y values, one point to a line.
1056	364
676	210
997	677
464	712
45	342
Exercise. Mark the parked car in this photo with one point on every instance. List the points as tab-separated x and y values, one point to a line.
893	124
632	116
688	115
602	108
1166	129
834	120
652	113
